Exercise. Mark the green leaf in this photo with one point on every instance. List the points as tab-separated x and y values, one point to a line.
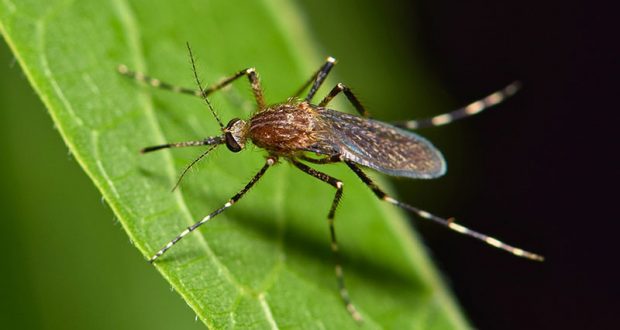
265	262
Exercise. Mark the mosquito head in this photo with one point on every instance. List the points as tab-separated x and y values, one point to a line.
235	134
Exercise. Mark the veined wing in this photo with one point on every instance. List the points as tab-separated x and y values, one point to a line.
381	146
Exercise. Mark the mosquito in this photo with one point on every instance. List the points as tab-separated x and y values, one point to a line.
299	132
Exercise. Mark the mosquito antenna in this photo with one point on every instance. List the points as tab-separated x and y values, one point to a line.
176	185
202	93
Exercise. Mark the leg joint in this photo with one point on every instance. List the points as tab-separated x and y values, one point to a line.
379	193
271	160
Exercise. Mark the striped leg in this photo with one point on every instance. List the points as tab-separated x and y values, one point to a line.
154	82
251	73
270	161
344	293
317	79
444	222
350	96
464	112
257	90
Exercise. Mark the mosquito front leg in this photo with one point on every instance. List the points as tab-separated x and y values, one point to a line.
154	82
250	72
271	160
344	293
444	222
254	83
464	112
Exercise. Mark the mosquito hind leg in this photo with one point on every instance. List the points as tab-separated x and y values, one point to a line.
344	293
464	112
449	223
271	160
342	88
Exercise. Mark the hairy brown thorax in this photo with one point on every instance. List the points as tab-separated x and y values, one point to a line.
285	128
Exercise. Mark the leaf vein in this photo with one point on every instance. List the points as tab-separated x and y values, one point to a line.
129	23
267	311
47	72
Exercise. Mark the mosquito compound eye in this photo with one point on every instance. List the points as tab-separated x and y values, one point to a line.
232	123
231	143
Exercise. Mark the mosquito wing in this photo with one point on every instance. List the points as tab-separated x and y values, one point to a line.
381	146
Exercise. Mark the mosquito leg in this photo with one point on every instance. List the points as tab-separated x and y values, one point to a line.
251	73
444	222
350	96
325	160
344	293
254	83
154	82
271	160
464	112
317	79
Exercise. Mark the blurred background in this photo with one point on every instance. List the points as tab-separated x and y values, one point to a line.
525	172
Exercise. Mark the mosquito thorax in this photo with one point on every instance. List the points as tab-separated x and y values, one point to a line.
235	134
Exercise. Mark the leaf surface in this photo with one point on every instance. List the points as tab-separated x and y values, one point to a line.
266	262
